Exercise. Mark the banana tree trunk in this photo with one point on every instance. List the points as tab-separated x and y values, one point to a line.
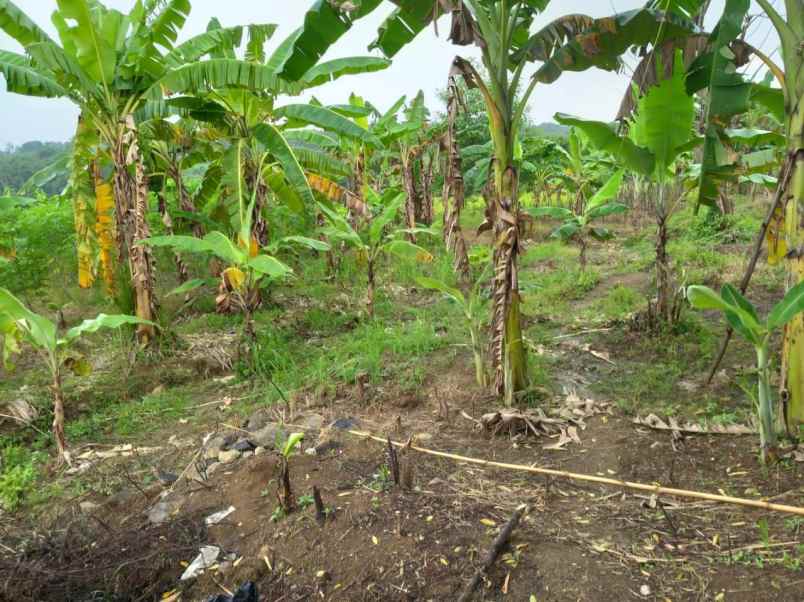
454	191
793	355
663	288
427	191
131	204
370	289
411	193
508	349
181	267
185	201
58	418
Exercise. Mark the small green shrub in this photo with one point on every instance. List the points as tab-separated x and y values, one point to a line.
18	472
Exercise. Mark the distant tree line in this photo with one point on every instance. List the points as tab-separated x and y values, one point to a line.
19	163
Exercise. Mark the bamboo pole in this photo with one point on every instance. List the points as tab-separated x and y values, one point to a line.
655	489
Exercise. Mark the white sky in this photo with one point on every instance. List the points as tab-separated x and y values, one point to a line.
422	65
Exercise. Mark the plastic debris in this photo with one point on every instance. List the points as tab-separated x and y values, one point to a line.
246	593
205	559
214	519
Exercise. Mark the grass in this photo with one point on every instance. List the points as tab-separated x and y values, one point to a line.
313	336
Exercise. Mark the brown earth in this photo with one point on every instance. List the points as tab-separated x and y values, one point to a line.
383	542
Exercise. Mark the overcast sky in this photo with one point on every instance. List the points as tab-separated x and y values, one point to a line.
422	65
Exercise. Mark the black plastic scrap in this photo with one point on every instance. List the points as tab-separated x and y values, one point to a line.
246	593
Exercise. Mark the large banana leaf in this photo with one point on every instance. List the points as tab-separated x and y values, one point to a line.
19	26
664	119
276	144
199	46
729	95
602	135
331	70
404	24
214	74
602	44
308	136
22	77
324	24
66	69
41	330
103	321
317	161
327	120
93	36
164	29
216	243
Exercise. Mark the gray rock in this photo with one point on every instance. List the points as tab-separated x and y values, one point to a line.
312	422
243	445
345	424
228	456
258	420
266	436
88	507
163	510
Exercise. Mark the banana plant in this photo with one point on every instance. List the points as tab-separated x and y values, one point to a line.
370	239
248	269
659	134
504	31
472	305
579	227
729	95
250	122
743	317
108	64
20	324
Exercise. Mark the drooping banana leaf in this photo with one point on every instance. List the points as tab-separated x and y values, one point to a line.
22	77
729	95
608	38
17	25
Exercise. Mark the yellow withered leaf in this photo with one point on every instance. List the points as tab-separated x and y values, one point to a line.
105	234
234	278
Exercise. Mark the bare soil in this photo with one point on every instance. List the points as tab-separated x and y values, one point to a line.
384	542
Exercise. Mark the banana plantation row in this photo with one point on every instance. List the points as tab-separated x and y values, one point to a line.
210	133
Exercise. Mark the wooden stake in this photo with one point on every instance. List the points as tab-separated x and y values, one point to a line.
655	489
496	549
320	511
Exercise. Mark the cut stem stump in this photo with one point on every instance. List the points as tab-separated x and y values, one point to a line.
496	549
655	489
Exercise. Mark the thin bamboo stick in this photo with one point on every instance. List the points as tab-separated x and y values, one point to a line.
655	489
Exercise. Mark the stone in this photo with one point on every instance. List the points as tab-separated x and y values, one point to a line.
345	424
211	453
266	436
163	510
312	422
258	420
247	454
258	451
228	456
88	507
243	445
